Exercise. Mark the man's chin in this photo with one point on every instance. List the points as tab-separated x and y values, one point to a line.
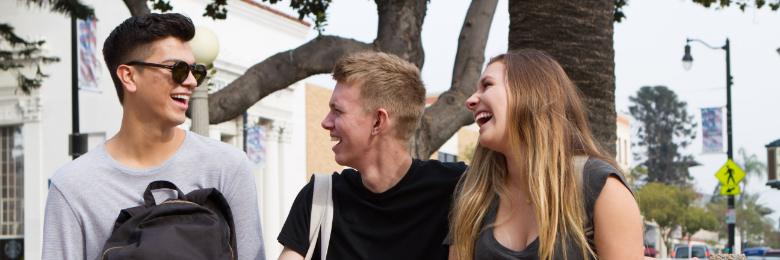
343	162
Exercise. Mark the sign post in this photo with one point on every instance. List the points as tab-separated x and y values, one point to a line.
729	176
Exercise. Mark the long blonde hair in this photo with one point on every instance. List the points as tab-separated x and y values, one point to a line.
547	126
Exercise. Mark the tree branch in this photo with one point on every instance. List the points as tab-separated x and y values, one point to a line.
445	117
278	72
137	7
399	28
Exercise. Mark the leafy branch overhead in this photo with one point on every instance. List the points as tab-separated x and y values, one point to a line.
773	4
215	10
22	53
66	7
314	9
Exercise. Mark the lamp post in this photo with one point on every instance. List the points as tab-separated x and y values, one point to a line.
76	147
687	62
205	48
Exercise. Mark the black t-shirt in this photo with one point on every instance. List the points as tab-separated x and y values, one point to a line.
595	174
408	221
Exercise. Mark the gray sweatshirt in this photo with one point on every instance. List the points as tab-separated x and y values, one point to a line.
86	195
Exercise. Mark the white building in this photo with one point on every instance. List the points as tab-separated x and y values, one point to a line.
35	128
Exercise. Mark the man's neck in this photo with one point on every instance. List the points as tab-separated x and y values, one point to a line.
383	170
140	145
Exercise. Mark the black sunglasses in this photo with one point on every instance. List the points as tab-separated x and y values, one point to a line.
179	71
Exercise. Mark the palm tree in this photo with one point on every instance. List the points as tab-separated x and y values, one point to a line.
751	165
578	34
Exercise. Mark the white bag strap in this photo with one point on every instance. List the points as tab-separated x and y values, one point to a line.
578	163
321	214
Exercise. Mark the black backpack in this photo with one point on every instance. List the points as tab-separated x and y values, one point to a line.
198	225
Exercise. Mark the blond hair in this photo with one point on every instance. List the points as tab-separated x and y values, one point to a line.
386	81
547	127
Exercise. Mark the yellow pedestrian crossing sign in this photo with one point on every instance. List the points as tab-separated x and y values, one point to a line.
729	175
731	189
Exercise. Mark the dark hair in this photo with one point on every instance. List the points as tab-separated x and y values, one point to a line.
132	40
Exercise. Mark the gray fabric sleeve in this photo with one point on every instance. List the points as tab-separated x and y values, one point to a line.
241	194
62	236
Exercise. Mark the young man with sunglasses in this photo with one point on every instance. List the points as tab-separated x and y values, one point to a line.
153	70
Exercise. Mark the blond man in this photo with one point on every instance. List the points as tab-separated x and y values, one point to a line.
389	205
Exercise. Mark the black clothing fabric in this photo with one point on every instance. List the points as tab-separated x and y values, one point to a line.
595	174
408	221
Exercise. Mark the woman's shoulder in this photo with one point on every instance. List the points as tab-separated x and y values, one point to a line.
596	166
596	172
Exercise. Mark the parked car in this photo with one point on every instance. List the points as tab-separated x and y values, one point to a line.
688	251
773	253
756	251
763	253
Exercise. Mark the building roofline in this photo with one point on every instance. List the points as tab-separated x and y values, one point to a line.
775	143
264	7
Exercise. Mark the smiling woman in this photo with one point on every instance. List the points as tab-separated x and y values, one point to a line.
538	183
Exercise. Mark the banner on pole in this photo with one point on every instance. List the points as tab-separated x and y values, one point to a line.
255	145
89	64
712	130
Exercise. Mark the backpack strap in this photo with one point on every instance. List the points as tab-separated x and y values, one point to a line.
578	163
321	214
156	185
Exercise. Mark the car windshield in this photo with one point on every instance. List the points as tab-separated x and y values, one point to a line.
698	252
681	252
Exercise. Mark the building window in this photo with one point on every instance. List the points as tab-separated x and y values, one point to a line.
626	151
12	182
445	157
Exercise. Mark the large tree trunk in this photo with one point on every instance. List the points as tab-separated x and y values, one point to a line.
578	34
399	28
445	117
399	32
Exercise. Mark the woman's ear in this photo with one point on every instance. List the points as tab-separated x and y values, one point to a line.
127	75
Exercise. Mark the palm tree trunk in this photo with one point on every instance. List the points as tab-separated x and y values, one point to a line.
578	34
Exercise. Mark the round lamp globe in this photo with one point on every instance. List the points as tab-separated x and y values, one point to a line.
205	45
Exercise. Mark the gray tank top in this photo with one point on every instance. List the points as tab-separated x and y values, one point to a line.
595	175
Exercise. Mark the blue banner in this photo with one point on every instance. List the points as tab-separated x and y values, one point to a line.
712	130
255	145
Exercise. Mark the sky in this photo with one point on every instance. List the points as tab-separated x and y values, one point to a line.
649	45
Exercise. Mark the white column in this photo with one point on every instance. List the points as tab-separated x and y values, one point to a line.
36	183
200	109
284	146
271	226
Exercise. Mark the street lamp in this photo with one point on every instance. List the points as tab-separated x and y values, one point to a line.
687	62
687	59
205	48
